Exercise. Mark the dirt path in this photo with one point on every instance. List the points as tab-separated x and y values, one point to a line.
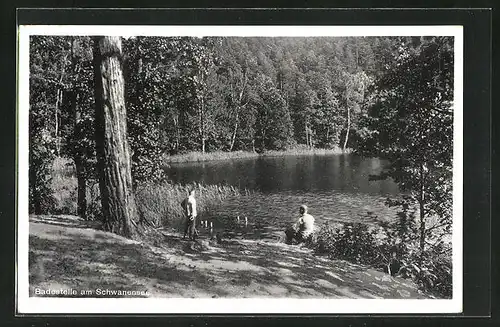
67	253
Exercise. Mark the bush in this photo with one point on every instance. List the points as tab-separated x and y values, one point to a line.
432	270
378	246
351	241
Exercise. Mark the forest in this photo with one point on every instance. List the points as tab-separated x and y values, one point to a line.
387	97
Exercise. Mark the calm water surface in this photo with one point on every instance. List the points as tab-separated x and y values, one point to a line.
334	187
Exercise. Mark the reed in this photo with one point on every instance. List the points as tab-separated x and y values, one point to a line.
222	155
159	203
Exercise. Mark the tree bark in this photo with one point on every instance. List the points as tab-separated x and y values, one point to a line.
113	153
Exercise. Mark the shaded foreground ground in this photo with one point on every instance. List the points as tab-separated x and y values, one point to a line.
67	253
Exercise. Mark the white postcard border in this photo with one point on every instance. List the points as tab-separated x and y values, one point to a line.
39	305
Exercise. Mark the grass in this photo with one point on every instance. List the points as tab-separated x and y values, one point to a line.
209	156
223	155
159	203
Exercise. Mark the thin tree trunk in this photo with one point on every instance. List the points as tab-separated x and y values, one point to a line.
421	201
348	128
81	177
113	158
56	118
78	157
233	138
328	134
59	95
36	196
202	123
307	133
177	132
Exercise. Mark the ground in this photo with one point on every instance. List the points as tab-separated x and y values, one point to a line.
67	252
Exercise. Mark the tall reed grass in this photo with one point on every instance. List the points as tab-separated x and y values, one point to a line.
159	203
222	155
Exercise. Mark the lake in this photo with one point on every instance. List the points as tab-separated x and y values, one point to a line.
334	187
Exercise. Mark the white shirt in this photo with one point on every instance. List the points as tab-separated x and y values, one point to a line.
189	205
306	224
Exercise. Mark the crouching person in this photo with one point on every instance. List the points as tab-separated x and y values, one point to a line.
302	230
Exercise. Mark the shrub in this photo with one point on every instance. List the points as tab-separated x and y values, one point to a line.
381	246
353	242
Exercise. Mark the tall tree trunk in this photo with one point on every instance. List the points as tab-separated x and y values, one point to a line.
113	158
78	157
56	121
36	198
202	127
348	128
81	176
177	132
58	103
328	134
307	133
421	202
233	138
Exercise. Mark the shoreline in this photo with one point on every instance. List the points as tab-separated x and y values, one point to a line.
175	268
195	156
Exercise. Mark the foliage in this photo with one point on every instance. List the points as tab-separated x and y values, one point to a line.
410	124
353	242
44	104
383	247
61	119
273	124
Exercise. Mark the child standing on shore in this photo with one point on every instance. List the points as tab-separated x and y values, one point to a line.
189	207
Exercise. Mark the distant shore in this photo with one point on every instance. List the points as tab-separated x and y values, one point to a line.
223	155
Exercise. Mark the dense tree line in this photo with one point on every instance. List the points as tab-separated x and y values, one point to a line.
200	94
389	97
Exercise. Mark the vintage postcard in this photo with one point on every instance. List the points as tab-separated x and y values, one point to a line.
240	169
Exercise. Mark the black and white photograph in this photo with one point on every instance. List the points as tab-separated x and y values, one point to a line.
240	169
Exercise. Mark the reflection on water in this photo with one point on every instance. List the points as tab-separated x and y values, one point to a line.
334	187
345	173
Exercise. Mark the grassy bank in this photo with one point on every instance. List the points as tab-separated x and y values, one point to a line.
160	203
222	155
67	253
